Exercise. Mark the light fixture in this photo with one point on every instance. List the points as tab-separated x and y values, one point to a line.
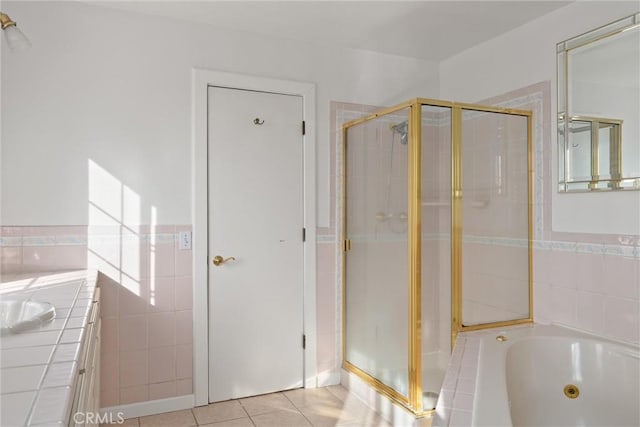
15	38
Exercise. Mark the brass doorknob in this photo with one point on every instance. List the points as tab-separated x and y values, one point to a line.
218	260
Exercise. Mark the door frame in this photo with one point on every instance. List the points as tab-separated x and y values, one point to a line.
201	81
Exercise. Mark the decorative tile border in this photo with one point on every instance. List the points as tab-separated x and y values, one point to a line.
84	240
10	241
626	251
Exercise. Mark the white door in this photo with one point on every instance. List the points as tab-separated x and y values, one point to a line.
256	217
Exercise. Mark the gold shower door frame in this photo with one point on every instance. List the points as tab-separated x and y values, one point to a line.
413	401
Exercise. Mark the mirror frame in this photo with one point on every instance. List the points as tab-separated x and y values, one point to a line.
616	181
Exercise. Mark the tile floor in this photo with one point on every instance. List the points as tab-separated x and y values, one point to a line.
331	406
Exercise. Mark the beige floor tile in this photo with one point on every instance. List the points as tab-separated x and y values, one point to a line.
423	422
170	419
354	408
281	419
328	416
240	422
331	406
220	411
303	397
375	421
267	403
338	391
130	422
352	412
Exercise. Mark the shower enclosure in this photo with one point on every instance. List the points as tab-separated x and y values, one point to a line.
436	232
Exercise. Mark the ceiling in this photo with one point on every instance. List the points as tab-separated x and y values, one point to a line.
430	30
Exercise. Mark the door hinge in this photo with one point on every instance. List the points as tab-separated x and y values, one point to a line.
304	234
304	341
346	245
304	127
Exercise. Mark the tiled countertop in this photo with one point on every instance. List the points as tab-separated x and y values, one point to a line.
39	366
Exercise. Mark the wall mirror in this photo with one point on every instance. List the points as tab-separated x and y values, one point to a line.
599	108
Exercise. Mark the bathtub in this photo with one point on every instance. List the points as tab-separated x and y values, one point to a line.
544	375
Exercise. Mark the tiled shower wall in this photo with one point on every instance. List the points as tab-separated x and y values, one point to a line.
146	301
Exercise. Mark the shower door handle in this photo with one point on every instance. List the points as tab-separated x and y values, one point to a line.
218	260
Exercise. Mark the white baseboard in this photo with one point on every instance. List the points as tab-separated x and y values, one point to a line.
151	407
328	378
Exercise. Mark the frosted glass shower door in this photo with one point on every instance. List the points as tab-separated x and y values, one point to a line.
495	217
376	260
436	250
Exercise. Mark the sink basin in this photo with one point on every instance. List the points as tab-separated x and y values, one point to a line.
18	315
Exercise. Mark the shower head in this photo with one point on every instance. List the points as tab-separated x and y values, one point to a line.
402	129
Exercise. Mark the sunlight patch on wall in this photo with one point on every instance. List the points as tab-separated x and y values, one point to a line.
115	242
152	255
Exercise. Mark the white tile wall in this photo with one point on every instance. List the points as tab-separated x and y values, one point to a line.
605	295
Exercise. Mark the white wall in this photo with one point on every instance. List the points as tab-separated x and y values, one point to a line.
525	56
114	87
